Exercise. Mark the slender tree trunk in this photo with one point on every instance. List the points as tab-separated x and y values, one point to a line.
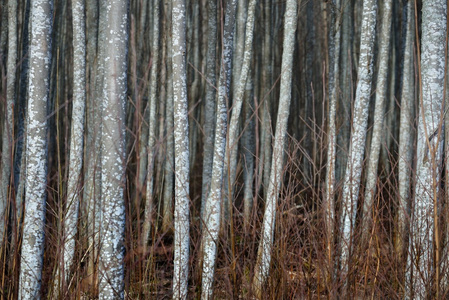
407	118
424	260
379	113
266	97
152	126
76	138
214	199
232	141
181	131
95	26
111	264
334	60
36	137
248	151
209	106
8	138
346	85
167	213
358	136
239	45
266	241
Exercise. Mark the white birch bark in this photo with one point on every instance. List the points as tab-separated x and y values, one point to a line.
334	52
424	236
407	117
181	130
266	241
214	199
239	45
7	138
358	134
111	264
152	125
76	137
36	138
232	141
379	113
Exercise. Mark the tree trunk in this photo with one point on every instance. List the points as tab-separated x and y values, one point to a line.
334	60
424	260
405	163
36	137
111	259
214	200
266	240
232	141
379	113
152	126
76	138
181	131
8	138
358	137
209	106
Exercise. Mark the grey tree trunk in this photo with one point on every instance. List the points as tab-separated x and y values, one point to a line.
214	199
379	113
95	25
266	97
405	163
76	138
111	259
36	156
152	126
232	141
248	145
358	135
209	106
334	58
424	245
266	241
181	136
167	213
7	138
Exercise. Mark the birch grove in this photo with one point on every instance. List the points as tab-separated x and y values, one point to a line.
208	149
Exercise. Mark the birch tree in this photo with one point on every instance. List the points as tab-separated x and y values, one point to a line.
266	241
379	113
209	106
358	134
7	138
406	132
76	138
95	26
181	136
111	268
167	213
424	248
36	155
334	53
232	141
152	125
214	199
